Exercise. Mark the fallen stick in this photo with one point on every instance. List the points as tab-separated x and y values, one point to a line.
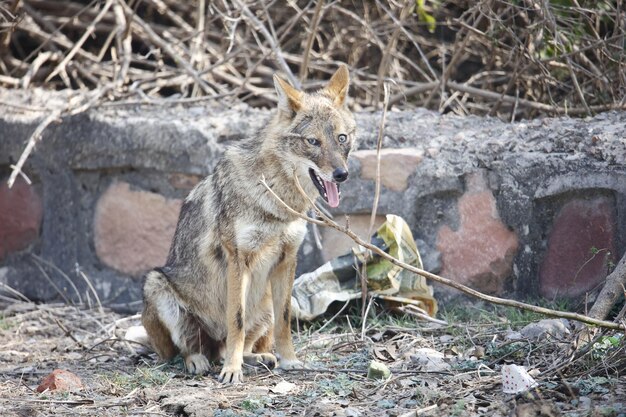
32	141
613	288
56	115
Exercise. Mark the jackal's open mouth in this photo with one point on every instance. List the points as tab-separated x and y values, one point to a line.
327	189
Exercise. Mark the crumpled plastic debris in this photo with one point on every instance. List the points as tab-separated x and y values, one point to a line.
337	280
515	379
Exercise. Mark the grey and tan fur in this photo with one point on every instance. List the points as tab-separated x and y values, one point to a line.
225	290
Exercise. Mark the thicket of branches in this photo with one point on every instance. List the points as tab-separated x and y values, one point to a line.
513	59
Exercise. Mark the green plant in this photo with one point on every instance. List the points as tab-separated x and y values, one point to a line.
424	16
606	344
252	404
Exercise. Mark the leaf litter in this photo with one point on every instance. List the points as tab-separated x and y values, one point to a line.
435	370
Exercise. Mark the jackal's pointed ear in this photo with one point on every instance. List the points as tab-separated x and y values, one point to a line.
337	87
289	98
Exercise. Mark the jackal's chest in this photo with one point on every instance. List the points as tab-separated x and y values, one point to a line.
257	238
266	246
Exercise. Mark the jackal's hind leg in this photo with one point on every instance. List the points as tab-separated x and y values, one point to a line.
158	333
172	328
265	343
265	360
261	352
201	349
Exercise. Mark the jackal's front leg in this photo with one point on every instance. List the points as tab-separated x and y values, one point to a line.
282	284
237	285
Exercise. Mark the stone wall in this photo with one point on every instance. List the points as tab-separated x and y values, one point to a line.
524	209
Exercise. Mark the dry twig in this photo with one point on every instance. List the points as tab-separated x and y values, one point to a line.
556	60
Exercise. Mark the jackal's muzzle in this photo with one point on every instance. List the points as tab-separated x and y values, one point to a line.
329	190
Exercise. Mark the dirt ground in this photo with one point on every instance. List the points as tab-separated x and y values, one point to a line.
436	370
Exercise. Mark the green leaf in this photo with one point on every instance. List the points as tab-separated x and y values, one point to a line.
424	16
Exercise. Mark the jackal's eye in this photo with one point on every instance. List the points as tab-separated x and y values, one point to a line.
342	138
313	141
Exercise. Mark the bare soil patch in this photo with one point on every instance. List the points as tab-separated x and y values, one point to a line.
119	378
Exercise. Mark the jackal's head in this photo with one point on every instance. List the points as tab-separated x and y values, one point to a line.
316	133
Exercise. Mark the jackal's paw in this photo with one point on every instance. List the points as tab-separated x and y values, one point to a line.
290	364
265	359
197	364
231	375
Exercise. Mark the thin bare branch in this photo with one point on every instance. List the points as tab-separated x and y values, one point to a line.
81	41
317	14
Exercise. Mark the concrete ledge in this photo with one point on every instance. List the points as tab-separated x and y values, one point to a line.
526	174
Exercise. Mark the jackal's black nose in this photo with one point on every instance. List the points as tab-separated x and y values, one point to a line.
340	175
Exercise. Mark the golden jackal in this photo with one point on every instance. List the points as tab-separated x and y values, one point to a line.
226	287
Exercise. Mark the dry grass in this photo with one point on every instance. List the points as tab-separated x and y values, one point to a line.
513	59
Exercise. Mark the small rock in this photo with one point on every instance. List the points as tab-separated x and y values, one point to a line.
552	327
60	380
352	412
283	387
477	351
430	360
378	370
585	402
386	404
511	335
432	152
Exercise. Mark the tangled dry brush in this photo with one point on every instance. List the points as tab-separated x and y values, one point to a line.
513	59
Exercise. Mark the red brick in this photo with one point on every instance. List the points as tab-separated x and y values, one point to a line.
60	380
480	253
21	212
570	268
133	229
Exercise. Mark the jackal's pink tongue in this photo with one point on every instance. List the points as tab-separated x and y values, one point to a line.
332	193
